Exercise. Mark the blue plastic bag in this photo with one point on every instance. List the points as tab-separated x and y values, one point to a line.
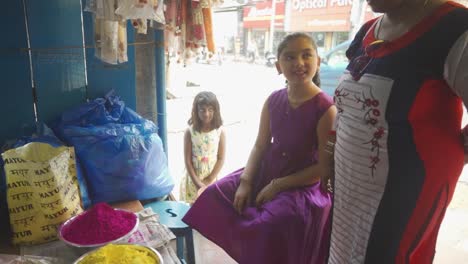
121	152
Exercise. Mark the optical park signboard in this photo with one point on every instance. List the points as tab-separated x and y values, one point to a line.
320	15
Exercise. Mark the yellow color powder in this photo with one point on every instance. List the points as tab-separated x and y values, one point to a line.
121	254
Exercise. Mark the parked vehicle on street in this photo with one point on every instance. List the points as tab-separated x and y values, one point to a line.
206	57
270	58
333	65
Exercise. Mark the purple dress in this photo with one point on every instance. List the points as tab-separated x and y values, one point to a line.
293	227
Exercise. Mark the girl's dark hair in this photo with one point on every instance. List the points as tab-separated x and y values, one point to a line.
293	36
208	99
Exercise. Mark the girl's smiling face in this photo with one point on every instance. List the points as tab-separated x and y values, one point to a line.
298	61
205	114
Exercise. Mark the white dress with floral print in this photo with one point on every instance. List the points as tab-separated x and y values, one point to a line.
204	157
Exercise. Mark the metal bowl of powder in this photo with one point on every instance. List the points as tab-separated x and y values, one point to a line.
120	253
90	230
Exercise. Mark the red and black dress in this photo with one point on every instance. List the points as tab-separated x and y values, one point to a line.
399	153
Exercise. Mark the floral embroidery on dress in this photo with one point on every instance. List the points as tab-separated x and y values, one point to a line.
371	117
371	114
339	95
375	147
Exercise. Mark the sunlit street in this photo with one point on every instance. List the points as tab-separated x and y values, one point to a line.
241	89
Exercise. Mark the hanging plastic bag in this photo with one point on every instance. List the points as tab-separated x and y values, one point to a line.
122	42
140	25
158	6
121	152
42	191
103	9
137	9
111	41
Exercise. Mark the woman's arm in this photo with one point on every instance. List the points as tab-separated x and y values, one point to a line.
244	191
456	75
220	159
311	174
188	159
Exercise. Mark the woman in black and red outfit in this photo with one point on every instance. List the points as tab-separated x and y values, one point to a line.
398	152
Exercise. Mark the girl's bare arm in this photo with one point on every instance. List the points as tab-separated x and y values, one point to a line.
188	159
220	158
243	193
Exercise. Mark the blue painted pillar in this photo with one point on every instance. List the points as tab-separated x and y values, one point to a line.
58	63
161	86
16	94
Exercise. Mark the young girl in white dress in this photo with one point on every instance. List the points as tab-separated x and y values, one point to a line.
204	146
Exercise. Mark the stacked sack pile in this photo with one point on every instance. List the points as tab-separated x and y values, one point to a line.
101	151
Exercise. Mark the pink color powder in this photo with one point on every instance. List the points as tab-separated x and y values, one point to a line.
100	224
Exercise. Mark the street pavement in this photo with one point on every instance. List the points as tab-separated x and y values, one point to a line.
241	89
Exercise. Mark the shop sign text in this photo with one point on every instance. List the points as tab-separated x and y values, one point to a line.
301	5
254	12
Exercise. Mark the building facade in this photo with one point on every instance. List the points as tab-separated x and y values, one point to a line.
330	22
259	25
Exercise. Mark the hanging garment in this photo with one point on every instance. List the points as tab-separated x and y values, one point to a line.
198	37
136	9
111	41
208	25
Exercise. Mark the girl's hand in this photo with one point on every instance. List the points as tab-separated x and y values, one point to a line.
199	184
242	196
200	191
326	182
328	175
207	181
267	193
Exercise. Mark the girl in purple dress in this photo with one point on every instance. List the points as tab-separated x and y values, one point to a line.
274	210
